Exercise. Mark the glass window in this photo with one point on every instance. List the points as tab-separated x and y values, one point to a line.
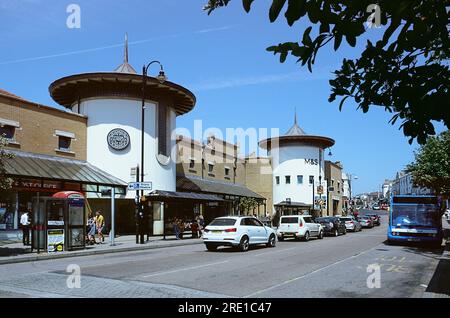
227	171
223	222
289	220
308	220
210	167
311	179
299	179
288	179
192	164
277	180
64	143
7	131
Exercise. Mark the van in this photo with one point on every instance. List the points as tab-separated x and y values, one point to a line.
299	227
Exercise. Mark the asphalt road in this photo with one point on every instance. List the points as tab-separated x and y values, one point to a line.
332	267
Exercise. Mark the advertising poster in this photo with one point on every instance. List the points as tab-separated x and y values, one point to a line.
55	240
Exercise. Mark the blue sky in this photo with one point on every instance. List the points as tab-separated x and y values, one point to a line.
220	57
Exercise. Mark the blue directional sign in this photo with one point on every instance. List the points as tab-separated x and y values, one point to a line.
137	186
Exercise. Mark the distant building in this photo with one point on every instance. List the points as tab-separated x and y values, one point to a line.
403	184
333	176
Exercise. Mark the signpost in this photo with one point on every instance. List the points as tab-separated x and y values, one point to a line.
138	186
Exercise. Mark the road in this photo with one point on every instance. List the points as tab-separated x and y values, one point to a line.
332	267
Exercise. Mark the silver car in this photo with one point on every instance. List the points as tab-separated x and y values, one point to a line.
351	224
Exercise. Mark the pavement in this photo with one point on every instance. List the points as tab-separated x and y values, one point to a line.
350	265
16	252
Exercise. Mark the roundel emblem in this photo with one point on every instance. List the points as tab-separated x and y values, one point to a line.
118	139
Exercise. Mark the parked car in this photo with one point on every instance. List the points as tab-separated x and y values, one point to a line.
351	223
237	231
332	225
366	221
375	207
375	218
299	226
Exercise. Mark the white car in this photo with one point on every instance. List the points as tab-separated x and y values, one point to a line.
237	231
299	226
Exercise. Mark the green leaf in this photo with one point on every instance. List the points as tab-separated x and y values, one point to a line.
306	38
275	9
247	4
337	41
351	40
342	102
295	10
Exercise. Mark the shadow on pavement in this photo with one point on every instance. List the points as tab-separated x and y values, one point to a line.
440	282
7	251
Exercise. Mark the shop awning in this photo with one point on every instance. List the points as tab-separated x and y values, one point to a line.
293	204
192	184
30	165
159	195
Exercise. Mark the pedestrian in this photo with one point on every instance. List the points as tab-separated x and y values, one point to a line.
25	224
181	227
91	229
194	229
99	224
176	230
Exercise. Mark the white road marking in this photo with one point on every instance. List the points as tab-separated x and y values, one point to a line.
183	269
307	274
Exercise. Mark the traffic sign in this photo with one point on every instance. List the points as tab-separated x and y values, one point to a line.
136	186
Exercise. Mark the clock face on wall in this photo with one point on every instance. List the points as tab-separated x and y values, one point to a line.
118	139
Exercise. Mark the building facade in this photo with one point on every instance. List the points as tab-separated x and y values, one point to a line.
333	176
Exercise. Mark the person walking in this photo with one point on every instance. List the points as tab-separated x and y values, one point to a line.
25	224
99	224
91	229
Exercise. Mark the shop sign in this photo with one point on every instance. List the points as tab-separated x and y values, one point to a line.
37	184
55	240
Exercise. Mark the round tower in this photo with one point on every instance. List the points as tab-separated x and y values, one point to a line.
112	101
298	169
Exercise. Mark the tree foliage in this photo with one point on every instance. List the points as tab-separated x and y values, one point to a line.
5	182
405	71
247	205
431	168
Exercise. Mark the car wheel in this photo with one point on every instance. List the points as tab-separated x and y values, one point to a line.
244	244
211	247
336	233
321	235
272	241
306	237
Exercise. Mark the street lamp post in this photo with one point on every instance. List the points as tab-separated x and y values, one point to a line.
162	78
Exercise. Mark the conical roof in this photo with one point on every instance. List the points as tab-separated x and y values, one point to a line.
125	67
295	130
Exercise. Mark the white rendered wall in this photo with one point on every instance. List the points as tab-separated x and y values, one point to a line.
291	161
105	114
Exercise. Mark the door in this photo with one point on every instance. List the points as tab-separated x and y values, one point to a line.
250	229
312	226
261	232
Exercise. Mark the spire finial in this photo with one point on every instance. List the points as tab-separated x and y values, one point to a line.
295	116
125	56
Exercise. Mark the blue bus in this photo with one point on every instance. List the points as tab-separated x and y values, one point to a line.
415	218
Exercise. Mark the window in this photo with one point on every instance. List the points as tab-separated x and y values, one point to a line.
163	127
311	179
277	180
288	179
64	143
191	164
7	131
299	179
227	171
210	167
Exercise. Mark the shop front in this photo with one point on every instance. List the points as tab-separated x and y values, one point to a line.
36	175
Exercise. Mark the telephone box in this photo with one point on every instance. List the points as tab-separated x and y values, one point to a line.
59	222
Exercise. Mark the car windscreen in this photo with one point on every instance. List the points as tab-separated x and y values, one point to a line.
345	219
289	220
412	215
322	220
223	222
